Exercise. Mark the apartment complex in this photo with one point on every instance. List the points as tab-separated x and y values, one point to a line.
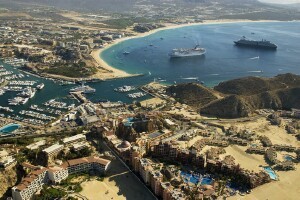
54	175
29	185
74	139
53	150
86	164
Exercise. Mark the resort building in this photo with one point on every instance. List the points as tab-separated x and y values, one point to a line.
54	175
7	161
155	180
57	174
74	139
29	185
165	150
280	147
167	188
53	150
256	150
36	145
86	164
79	146
144	169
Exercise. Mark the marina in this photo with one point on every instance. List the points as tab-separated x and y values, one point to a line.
85	89
18	89
15	62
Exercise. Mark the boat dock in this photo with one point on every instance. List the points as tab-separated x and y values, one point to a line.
79	96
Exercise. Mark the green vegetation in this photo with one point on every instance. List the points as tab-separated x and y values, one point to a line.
123	23
30	58
49	193
75	70
75	186
72	154
17	141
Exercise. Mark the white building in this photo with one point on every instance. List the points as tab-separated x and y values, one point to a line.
36	145
54	149
30	185
57	174
145	169
36	179
79	146
86	164
73	139
89	119
7	161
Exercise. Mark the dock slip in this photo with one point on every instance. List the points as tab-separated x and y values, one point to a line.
79	96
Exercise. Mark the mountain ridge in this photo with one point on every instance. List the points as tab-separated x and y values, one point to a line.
241	97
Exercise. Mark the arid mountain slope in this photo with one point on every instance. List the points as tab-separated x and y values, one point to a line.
192	94
242	96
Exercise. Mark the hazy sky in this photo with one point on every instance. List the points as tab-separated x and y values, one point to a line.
281	1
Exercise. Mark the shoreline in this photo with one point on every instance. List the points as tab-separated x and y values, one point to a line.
113	72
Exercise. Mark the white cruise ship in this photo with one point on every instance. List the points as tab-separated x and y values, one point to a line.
196	51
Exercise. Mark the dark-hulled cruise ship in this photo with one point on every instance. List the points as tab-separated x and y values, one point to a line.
255	43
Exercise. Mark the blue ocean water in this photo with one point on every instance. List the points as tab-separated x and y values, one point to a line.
223	60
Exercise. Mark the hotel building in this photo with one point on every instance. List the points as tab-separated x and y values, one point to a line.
37	178
74	139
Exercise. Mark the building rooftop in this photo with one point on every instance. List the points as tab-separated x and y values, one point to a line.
73	138
155	134
36	144
90	159
29	178
53	148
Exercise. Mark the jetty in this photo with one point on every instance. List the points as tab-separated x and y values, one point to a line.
79	96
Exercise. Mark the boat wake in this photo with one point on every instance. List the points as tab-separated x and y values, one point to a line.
254	58
258	71
214	74
190	78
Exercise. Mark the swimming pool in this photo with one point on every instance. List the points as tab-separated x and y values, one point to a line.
9	128
288	158
271	173
190	178
206	181
195	179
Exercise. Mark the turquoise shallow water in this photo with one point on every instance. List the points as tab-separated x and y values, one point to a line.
223	60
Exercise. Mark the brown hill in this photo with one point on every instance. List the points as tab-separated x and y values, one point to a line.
192	94
242	96
235	106
255	85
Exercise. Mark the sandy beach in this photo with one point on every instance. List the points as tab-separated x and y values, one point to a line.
109	72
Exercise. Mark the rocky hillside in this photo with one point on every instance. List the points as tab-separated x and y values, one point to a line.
192	94
255	85
243	96
8	178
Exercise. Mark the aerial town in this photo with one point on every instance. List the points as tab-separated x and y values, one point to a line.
172	149
175	141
